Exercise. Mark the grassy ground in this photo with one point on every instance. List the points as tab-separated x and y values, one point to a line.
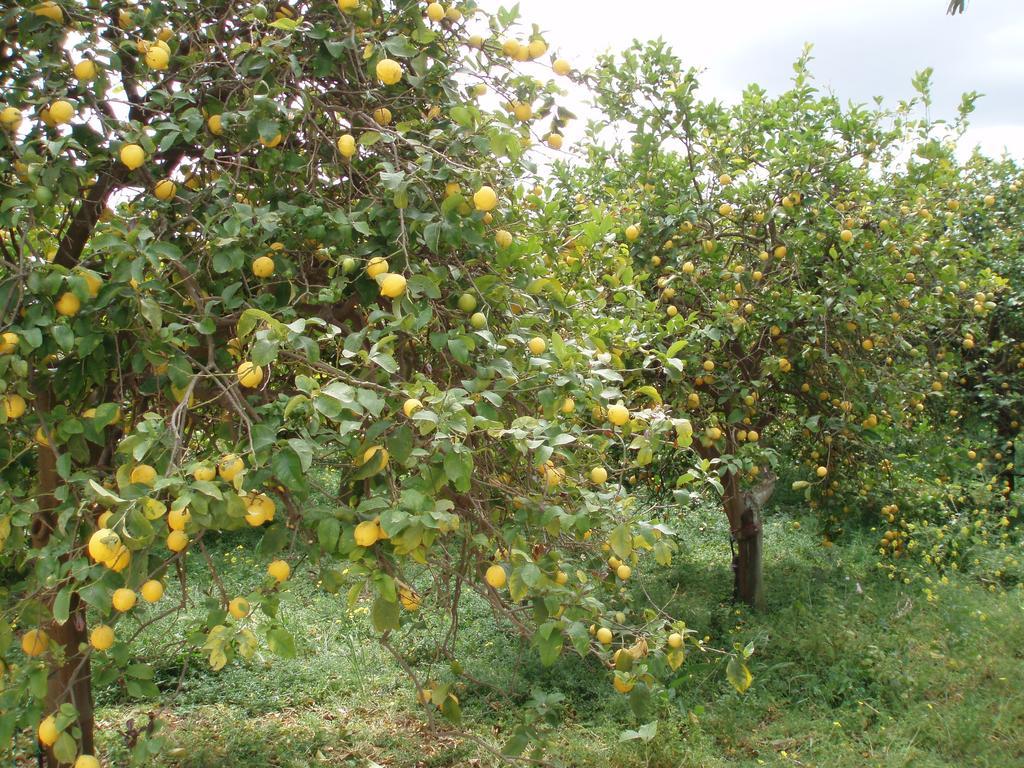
852	669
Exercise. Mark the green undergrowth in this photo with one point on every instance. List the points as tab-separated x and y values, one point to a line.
851	668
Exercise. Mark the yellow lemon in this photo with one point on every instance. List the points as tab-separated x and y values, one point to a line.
8	342
263	267
392	285
102	637
389	71
503	238
215	124
561	67
495	576
177	541
68	304
47	731
618	414
378	265
632	232
410	406
144	474
152	590
366	533
409	599
204	472
239	607
523	111
347	145
10	118
61	112
86	761
157	57
123	599
537	345
485	199
133	156
35	642
165	189
598	475
14	406
49	10
229	466
435	11
279	570
177	519
604	636
249	374
382	116
370	452
103	544
119	560
93	282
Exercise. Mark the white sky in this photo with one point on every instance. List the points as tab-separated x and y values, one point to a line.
862	48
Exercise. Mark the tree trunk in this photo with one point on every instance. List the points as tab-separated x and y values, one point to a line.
71	682
745	525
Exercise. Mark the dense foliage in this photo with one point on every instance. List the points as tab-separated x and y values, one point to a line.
296	269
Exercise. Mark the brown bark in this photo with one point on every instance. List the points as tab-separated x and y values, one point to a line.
71	680
745	526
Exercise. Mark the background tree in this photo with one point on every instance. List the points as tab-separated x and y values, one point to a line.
768	271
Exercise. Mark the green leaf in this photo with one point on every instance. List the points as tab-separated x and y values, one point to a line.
518	742
432	235
287	467
62	604
64	336
549	643
738	674
579	637
288	25
384	614
458	468
621	541
281	642
531	575
65	749
328	531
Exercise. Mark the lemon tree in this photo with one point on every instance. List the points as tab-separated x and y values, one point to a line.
274	268
776	276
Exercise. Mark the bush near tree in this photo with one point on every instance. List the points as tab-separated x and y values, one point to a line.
295	268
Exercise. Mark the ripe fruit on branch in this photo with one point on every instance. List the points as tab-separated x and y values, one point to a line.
495	576
249	375
485	199
389	71
133	156
618	414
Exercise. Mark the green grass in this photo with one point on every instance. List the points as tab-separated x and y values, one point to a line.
851	669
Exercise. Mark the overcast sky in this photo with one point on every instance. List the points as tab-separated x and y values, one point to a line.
862	48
